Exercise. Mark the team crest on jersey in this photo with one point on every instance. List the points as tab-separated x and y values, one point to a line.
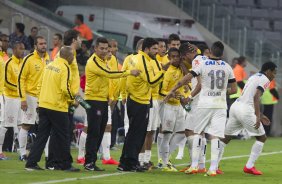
197	62
37	67
99	113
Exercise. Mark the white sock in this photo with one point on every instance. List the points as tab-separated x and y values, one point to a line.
190	144
202	159
214	154
106	142
141	158
256	151
81	145
222	146
46	149
165	148
181	147
175	140
23	141
159	142
148	154
3	131
126	121
196	149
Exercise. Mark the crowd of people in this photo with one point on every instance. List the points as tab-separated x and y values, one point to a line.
179	91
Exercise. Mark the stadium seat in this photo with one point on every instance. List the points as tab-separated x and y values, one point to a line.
269	3
245	12
259	13
278	25
276	14
249	3
261	24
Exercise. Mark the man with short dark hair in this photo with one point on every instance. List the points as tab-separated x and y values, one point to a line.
32	36
83	29
245	114
97	95
57	44
28	79
5	44
18	35
138	104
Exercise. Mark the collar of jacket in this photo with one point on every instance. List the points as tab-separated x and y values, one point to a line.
46	57
17	60
62	60
98	58
145	55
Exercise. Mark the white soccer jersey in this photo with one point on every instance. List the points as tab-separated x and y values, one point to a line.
195	63
215	75
257	81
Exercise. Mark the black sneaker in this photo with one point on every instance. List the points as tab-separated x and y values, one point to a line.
92	167
138	169
33	168
72	169
23	158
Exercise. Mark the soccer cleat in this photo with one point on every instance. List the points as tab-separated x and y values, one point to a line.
3	157
169	168
219	171
252	170
92	167
160	164
203	170
33	168
72	169
179	157
23	158
111	161
80	161
211	173
184	169
191	170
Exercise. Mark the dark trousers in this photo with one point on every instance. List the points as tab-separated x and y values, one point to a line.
138	115
117	121
97	117
268	112
57	124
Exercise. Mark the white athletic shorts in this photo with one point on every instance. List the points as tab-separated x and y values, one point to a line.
29	116
2	108
12	112
242	116
173	119
190	122
161	112
211	121
84	115
154	116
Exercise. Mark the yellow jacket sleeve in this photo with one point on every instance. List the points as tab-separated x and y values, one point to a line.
22	81
75	77
2	75
39	85
8	84
65	84
125	66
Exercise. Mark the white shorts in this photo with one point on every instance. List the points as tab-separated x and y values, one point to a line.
242	116
161	112
173	119
211	121
29	116
154	117
12	112
2	108
190	122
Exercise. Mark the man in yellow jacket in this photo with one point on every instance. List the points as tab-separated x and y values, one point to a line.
30	73
138	104
97	95
55	95
12	110
2	78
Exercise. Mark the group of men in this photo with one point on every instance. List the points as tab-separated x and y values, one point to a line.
156	85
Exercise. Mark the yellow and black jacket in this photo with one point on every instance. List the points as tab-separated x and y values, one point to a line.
2	75
12	69
55	86
97	78
140	88
30	73
114	84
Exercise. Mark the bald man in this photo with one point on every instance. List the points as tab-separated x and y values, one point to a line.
54	97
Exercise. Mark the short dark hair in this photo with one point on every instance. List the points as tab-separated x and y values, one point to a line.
202	47
101	40
59	36
80	17
241	59
14	46
268	66
3	36
36	39
173	50
186	48
34	28
69	36
217	49
148	43
20	27
173	37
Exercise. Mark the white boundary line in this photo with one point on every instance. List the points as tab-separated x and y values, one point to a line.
123	173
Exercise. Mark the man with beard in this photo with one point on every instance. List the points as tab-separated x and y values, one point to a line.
28	79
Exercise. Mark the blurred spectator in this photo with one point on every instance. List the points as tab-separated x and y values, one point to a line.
57	44
82	57
82	82
31	37
19	36
5	44
234	62
205	51
269	98
84	30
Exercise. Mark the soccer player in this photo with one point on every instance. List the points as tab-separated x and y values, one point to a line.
31	70
138	104
245	114
211	113
173	116
2	77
